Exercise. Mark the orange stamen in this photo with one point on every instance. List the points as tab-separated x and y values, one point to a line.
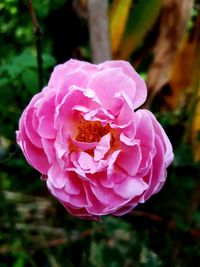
91	131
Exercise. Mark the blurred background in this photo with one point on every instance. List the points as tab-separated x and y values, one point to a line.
161	39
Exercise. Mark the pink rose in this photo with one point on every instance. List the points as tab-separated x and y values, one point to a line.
97	155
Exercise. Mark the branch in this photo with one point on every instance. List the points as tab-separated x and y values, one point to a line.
170	225
38	43
99	30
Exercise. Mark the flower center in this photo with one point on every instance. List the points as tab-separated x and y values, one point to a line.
91	131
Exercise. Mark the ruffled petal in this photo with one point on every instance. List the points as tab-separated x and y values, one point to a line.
30	130
146	135
57	176
130	187
141	90
34	155
112	82
157	173
129	159
169	156
102	147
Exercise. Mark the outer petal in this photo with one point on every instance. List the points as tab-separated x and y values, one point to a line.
34	155
157	174
69	200
30	130
146	135
57	176
130	187
72	72
165	140
141	90
112	81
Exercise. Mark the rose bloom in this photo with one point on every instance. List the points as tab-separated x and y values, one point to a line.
98	153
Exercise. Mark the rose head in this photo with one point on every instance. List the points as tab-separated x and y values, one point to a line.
97	155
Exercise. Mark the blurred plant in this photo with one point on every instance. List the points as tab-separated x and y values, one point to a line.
131	21
173	25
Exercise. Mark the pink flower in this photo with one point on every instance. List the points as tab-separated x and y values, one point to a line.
97	155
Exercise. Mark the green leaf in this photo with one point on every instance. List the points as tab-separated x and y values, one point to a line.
3	81
18	64
48	60
141	20
26	59
96	252
30	80
20	262
183	156
149	258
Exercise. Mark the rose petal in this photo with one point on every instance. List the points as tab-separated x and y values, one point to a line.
141	90
130	187
88	164
111	81
73	185
145	134
30	130
157	173
57	176
129	158
48	146
102	147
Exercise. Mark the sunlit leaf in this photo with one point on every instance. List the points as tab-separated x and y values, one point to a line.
118	18
196	128
141	19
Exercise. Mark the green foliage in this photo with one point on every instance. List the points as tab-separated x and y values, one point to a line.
19	75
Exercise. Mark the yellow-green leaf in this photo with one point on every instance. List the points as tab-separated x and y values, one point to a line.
140	21
196	129
118	18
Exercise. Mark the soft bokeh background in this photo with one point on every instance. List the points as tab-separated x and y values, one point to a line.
161	39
